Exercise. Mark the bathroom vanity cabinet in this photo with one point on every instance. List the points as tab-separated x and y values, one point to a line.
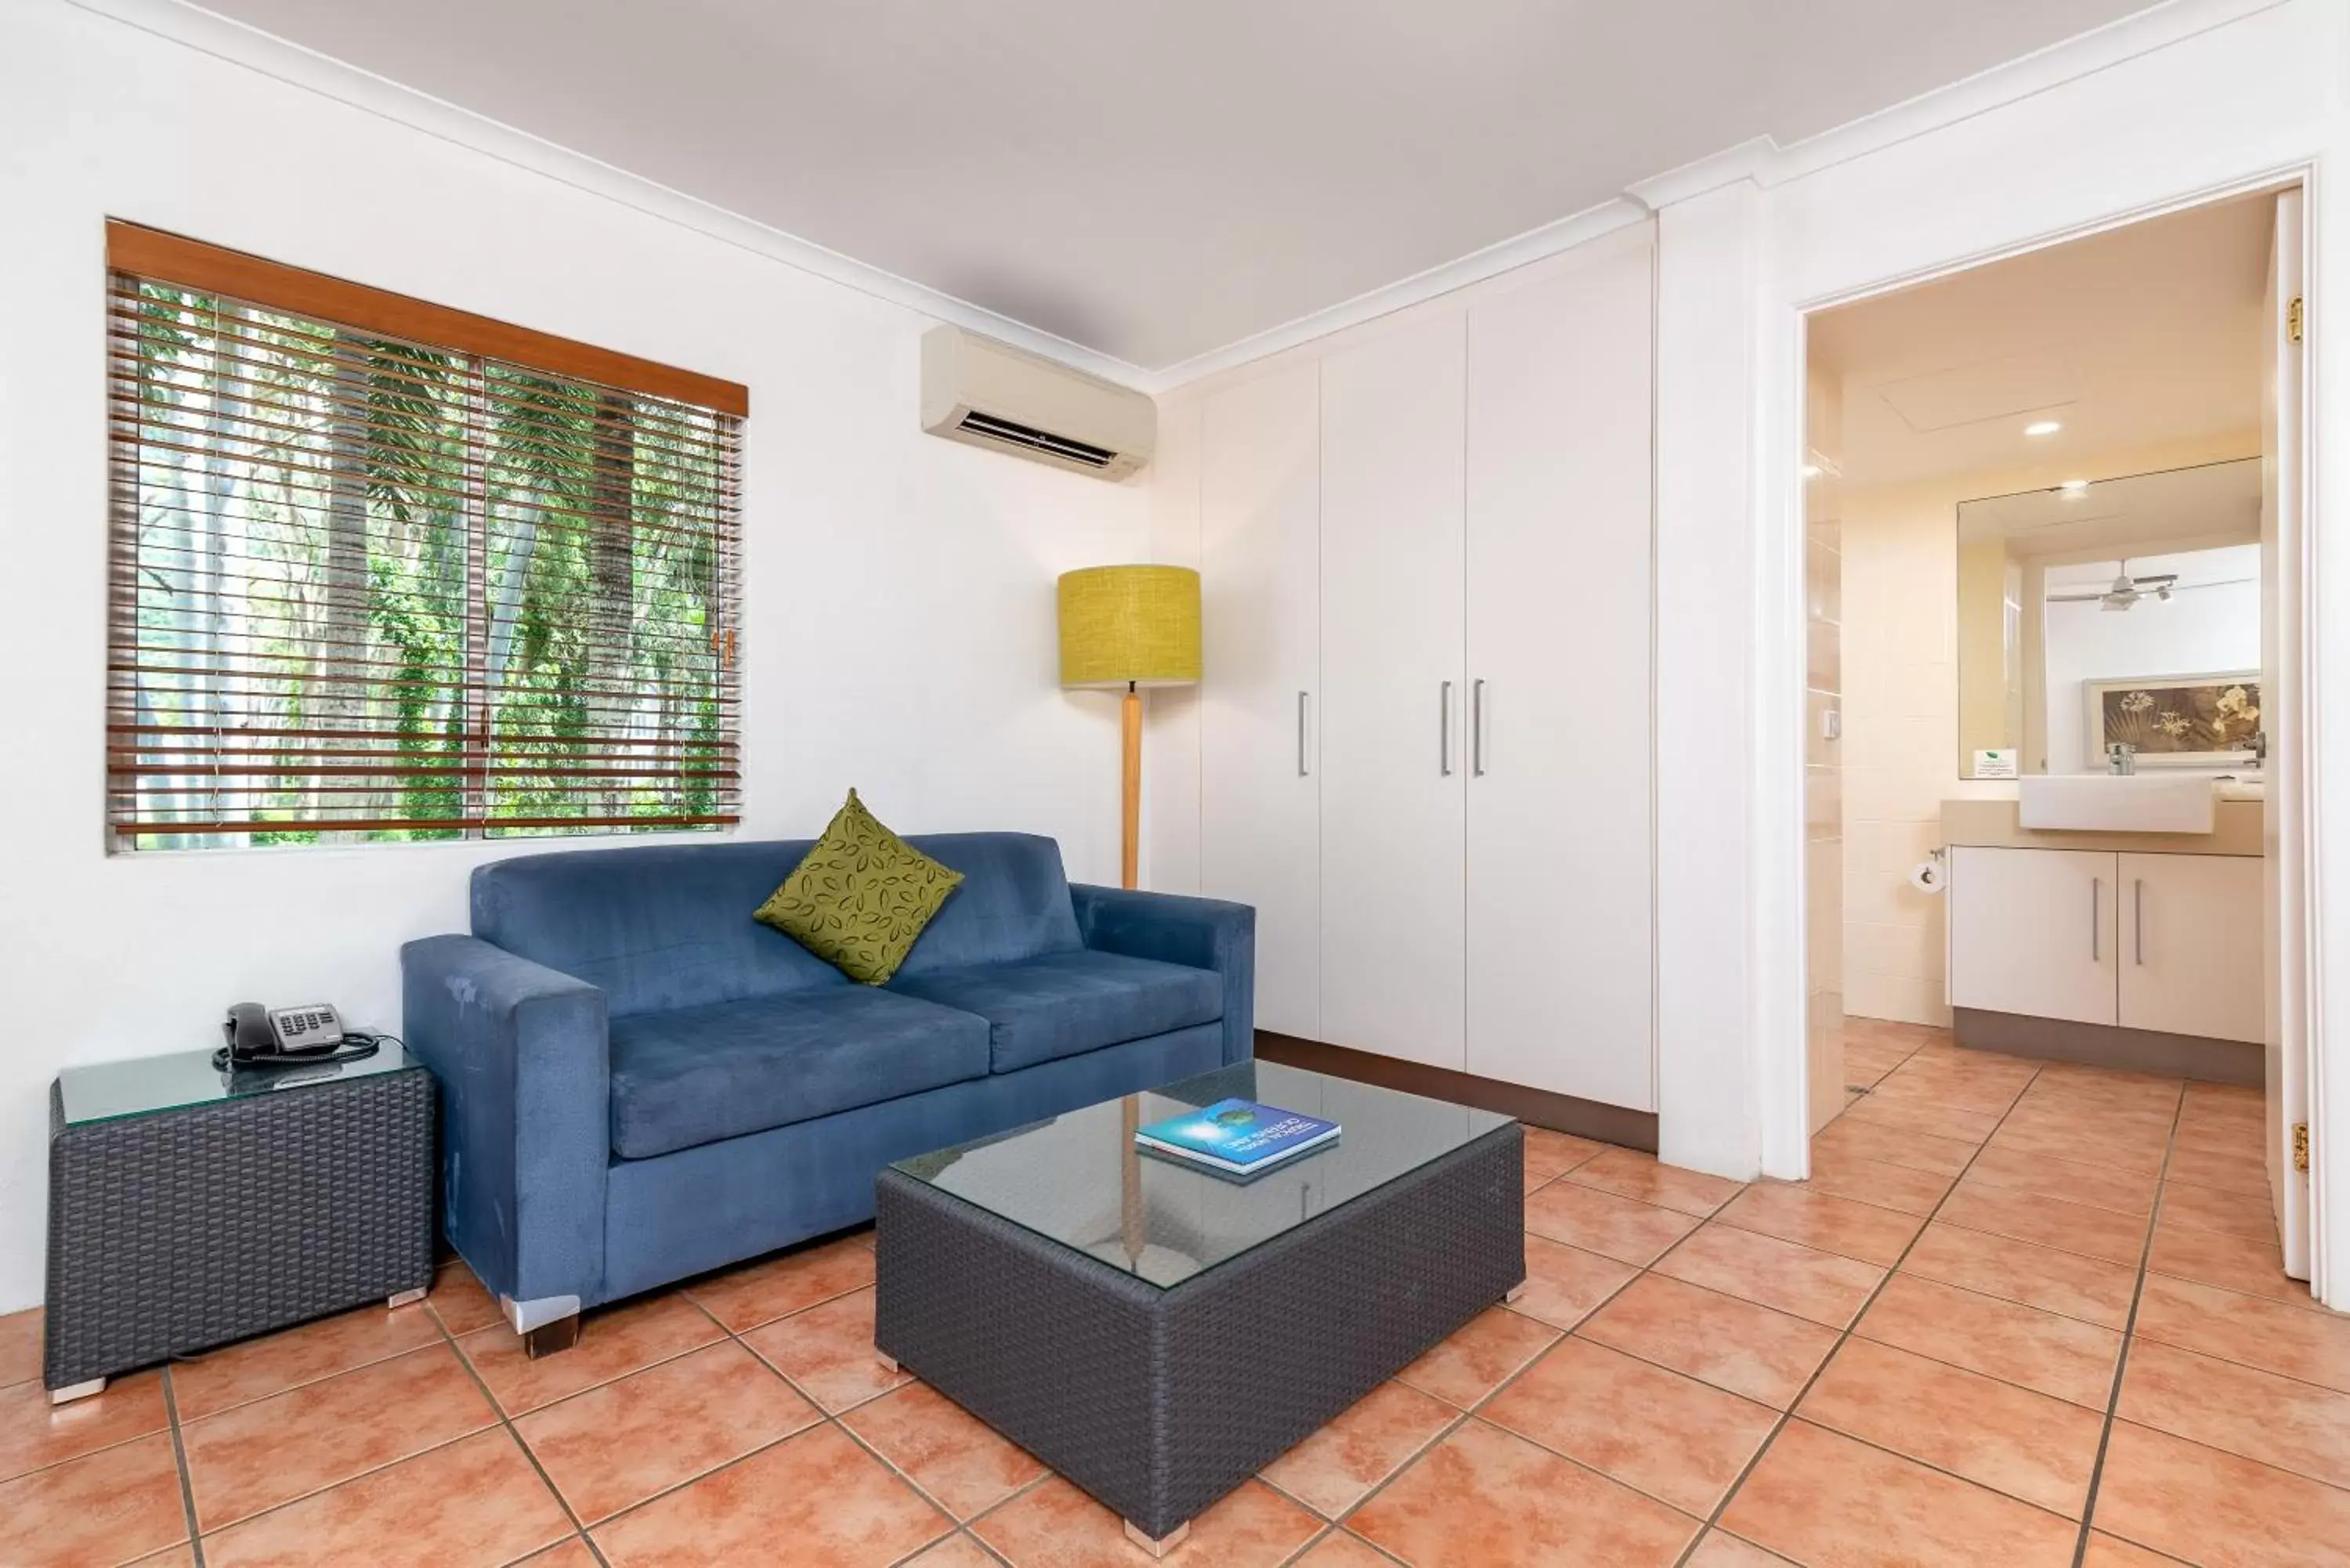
2137	956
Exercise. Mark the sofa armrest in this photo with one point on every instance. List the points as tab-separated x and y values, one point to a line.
524	1064
1205	933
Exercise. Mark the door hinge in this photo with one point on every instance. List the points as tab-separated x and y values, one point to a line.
2301	1145
2292	318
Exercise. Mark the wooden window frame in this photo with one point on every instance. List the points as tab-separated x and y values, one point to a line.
214	269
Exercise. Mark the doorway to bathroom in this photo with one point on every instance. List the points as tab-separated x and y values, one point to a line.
2053	593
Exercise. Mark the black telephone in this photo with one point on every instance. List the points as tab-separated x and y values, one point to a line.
256	1035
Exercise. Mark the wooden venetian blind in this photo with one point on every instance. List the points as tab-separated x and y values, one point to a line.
382	570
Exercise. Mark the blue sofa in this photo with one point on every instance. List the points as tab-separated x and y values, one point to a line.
639	1082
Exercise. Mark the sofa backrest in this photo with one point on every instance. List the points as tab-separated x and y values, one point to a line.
1013	902
664	926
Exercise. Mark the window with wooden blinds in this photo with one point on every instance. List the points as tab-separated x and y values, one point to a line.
385	571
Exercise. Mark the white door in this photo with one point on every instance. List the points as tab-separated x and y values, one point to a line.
2034	931
1260	587
1559	888
2190	945
1393	703
2284	839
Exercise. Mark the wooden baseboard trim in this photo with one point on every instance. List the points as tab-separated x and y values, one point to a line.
1536	1108
2106	1046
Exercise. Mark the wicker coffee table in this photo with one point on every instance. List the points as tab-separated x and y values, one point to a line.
1157	1333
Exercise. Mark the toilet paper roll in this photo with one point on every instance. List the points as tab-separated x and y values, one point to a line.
1927	876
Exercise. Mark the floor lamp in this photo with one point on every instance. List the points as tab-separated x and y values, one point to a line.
1131	626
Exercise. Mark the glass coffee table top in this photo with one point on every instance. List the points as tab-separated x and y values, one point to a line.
1079	1180
142	1085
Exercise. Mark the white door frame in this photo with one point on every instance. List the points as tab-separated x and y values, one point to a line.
1782	639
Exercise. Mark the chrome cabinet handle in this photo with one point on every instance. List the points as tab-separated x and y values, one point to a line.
2137	916
2096	898
1477	728
1304	767
1444	729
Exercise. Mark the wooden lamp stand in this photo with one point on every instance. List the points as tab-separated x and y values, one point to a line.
1129	785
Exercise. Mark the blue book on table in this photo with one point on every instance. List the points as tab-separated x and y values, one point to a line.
1236	1137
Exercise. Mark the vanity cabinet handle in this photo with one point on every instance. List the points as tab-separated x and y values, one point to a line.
1303	766
2096	899
1477	728
2138	918
1444	729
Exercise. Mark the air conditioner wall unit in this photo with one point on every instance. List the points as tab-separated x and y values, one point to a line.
990	394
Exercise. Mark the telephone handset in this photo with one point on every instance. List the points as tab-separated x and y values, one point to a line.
256	1035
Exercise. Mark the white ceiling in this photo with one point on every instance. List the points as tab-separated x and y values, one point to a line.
2203	505
2146	334
1158	179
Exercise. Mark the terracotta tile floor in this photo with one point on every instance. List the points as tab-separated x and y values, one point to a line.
2023	1315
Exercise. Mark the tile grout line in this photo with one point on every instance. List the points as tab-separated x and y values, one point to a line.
448	1337
451	1339
1844	1335
1337	1524
179	1459
825	1418
507	1422
357	1476
1711	1523
2129	1333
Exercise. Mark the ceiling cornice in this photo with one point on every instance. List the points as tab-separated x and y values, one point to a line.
1760	160
235	42
1750	159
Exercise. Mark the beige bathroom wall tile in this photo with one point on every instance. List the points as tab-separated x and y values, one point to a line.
1890	846
1913	952
1899	1000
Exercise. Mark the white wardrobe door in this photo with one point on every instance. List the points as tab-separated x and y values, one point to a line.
1393	706
1560	879
1259	586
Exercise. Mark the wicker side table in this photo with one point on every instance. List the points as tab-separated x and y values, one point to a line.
189	1207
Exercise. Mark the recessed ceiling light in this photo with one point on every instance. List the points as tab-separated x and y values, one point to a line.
2074	487
2041	427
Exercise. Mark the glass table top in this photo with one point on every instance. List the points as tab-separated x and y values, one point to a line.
1077	1178
105	1091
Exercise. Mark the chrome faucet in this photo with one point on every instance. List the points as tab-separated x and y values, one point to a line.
2121	759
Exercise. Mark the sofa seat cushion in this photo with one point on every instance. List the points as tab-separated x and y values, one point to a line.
1059	1004
698	1075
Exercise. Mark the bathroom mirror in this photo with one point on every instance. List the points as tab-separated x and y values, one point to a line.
2123	611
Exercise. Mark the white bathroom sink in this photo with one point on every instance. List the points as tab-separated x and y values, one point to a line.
2108	803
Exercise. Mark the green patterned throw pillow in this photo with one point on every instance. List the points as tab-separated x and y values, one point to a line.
860	898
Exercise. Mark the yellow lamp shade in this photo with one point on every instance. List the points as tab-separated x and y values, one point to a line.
1138	625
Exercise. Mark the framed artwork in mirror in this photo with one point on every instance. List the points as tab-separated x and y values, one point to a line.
2178	720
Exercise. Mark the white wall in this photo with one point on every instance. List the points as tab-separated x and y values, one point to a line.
899	589
2207	630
